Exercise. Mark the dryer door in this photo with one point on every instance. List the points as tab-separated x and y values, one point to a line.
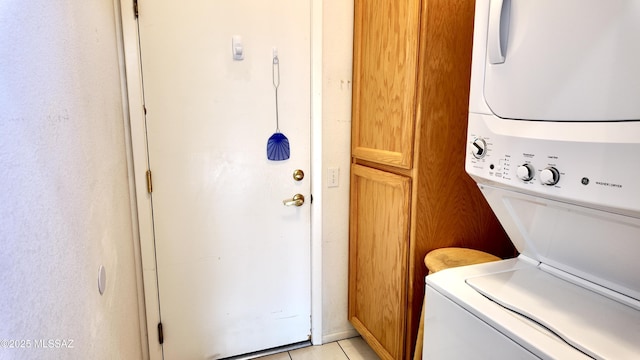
570	60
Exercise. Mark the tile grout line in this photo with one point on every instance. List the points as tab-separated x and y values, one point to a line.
344	352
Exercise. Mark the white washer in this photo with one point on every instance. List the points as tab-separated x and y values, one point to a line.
553	143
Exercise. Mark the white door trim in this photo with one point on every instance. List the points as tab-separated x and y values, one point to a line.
316	171
140	166
132	187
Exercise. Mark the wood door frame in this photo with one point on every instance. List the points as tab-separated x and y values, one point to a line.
135	109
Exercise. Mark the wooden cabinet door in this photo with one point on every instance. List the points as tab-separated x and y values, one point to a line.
384	83
378	255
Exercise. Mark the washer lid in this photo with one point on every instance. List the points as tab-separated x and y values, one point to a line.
570	60
593	324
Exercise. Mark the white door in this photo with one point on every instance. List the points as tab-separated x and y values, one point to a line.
233	261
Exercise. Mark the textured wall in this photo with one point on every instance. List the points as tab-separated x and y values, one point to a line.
64	200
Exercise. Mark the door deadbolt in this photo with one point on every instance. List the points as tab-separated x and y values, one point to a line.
298	175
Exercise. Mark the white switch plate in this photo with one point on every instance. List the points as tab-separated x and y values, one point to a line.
333	177
237	49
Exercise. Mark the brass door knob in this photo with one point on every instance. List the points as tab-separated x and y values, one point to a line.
298	175
297	200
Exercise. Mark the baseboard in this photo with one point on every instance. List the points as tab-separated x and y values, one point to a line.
327	338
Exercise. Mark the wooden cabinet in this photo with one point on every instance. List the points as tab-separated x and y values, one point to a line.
409	190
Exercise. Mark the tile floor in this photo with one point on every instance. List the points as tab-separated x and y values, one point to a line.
348	349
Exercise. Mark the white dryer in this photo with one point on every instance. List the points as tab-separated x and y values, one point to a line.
554	145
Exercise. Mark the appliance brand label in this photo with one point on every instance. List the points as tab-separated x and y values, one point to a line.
602	183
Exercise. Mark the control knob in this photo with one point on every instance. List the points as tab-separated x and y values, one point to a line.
479	148
525	172
549	176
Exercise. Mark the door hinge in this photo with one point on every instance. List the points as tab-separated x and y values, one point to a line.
149	183
160	334
135	8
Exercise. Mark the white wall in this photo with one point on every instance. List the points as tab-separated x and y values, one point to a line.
65	206
337	61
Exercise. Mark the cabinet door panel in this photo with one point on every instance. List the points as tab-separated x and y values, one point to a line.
385	69
378	255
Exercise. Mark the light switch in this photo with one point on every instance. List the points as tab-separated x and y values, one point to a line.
102	279
237	50
333	177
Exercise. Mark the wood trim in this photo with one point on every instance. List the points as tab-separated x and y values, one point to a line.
383	157
387	168
356	77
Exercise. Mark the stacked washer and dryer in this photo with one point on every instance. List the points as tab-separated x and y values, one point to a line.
554	145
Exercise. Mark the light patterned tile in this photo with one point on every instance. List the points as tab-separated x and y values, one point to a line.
357	349
278	356
330	351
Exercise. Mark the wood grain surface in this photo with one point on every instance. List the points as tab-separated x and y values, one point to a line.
385	68
378	254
